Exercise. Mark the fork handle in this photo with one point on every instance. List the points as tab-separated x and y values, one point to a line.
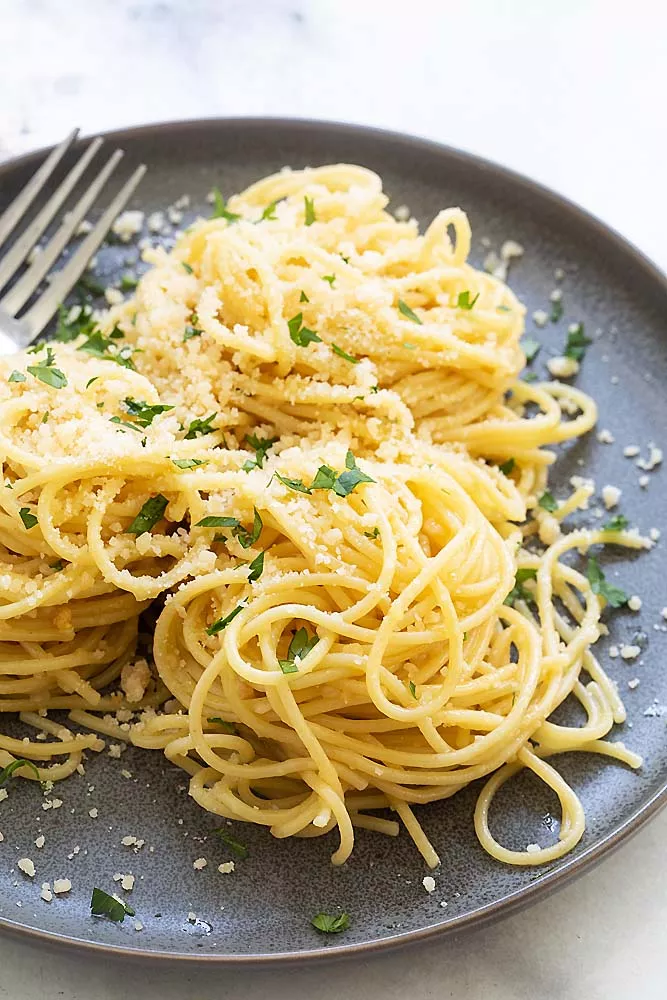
14	335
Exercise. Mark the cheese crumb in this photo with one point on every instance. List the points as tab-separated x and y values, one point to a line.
630	652
635	603
61	885
429	883
127	225
27	867
630	451
226	867
610	496
540	317
46	893
562	367
199	864
634	683
93	813
533	848
40	841
605	436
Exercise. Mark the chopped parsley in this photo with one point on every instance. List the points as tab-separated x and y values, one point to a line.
15	765
351	478
507	466
16	376
531	348
260	447
235	845
413	689
299	648
303	297
309	210
186	267
292	484
577	342
326	923
191	331
556	311
216	521
614	596
199	427
47	372
104	348
88	286
530	377
464	301
220	210
518	591
375	533
57	566
149	515
408	312
29	519
91	380
227	727
343	354
299	333
104	905
548	502
256	568
269	212
330	278
143	414
618	523
68	331
222	623
248	538
188	463
128	283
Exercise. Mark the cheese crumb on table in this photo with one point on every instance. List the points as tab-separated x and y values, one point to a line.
610	496
429	883
634	603
61	885
563	367
226	867
27	867
199	864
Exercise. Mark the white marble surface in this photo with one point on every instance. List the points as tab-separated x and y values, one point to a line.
571	93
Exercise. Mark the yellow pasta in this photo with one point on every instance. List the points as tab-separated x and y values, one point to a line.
298	473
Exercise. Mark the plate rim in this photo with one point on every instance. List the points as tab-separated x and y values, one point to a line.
550	881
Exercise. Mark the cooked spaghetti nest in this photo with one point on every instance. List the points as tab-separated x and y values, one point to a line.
299	458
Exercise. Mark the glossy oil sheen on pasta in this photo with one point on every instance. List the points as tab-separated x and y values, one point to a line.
298	461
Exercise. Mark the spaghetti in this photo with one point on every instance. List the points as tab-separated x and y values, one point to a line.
303	447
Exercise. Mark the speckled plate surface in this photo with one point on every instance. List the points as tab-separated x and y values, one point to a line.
262	911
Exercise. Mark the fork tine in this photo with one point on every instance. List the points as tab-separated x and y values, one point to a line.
17	296
14	212
26	241
41	312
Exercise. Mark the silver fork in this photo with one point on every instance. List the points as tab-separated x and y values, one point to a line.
18	329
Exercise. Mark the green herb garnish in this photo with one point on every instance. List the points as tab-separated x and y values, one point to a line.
303	297
507	466
128	283
29	519
16	376
309	210
343	354
149	515
186	267
548	502
614	596
618	523
260	447
144	413
269	212
200	427
220	210
292	484
464	301
47	372
408	312
188	463
518	591
299	648
375	533
7	772
222	623
556	311
227	727
351	478
235	845
577	342
328	924
104	905
531	348
256	568
216	521
299	333
330	278
248	538
413	689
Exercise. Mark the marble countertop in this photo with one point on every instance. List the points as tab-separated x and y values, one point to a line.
571	94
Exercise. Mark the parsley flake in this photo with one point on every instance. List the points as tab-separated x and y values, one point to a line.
408	312
577	342
413	689
143	414
518	591
548	502
16	376
186	267
303	297
260	447
531	348
343	354
375	533
299	648
556	311
200	427
325	923
8	772
104	905
292	484
188	463
309	210
235	845
248	538
507	466
220	210
217	521
330	278
28	518
618	523
464	301
222	623
149	515
256	568
613	595
352	477
227	727
269	212
299	333
47	373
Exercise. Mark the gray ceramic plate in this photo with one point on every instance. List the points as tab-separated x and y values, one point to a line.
263	910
